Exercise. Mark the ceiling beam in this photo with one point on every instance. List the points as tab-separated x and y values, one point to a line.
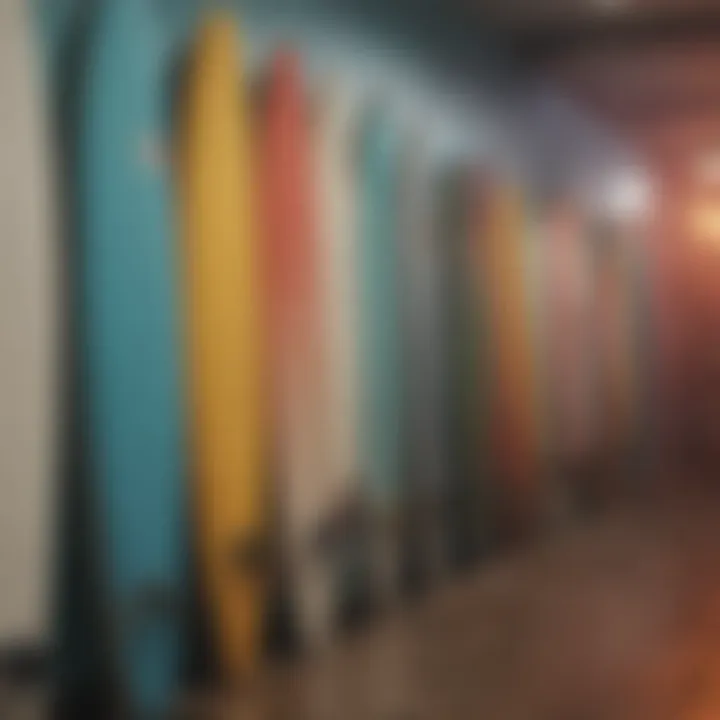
542	43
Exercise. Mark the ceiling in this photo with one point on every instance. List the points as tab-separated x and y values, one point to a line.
650	67
551	14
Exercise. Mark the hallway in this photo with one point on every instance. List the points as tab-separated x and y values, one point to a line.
617	619
332	295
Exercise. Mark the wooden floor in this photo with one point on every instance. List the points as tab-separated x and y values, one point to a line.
617	619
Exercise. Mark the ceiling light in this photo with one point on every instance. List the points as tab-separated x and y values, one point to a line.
629	195
705	223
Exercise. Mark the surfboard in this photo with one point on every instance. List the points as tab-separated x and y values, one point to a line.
515	424
225	342
334	123
643	339
306	489
380	348
129	325
614	307
83	676
572	330
29	356
467	379
425	469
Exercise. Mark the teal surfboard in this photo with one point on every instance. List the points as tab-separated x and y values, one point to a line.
380	348
81	673
423	374
466	367
131	347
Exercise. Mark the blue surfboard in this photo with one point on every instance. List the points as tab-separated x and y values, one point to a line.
380	348
131	347
82	675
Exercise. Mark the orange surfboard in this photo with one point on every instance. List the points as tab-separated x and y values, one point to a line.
502	236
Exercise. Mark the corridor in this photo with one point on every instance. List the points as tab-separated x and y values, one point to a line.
616	619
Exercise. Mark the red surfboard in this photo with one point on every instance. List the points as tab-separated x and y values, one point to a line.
304	492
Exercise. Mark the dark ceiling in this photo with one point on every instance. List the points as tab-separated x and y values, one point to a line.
651	67
550	16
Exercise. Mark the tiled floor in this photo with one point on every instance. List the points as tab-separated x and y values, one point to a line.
618	619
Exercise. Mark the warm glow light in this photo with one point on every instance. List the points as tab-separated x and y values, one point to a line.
705	223
708	168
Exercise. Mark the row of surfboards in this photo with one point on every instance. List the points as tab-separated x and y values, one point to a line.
271	337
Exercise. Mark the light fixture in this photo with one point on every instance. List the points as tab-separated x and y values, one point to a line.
707	167
629	195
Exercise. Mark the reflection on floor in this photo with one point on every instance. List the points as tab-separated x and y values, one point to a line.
619	619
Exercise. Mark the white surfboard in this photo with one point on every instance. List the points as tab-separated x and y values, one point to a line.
29	361
334	144
296	350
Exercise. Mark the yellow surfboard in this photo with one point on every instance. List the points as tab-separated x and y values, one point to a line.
225	345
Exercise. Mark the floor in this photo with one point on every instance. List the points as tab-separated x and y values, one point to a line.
619	618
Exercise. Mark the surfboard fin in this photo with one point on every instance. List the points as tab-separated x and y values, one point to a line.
250	555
